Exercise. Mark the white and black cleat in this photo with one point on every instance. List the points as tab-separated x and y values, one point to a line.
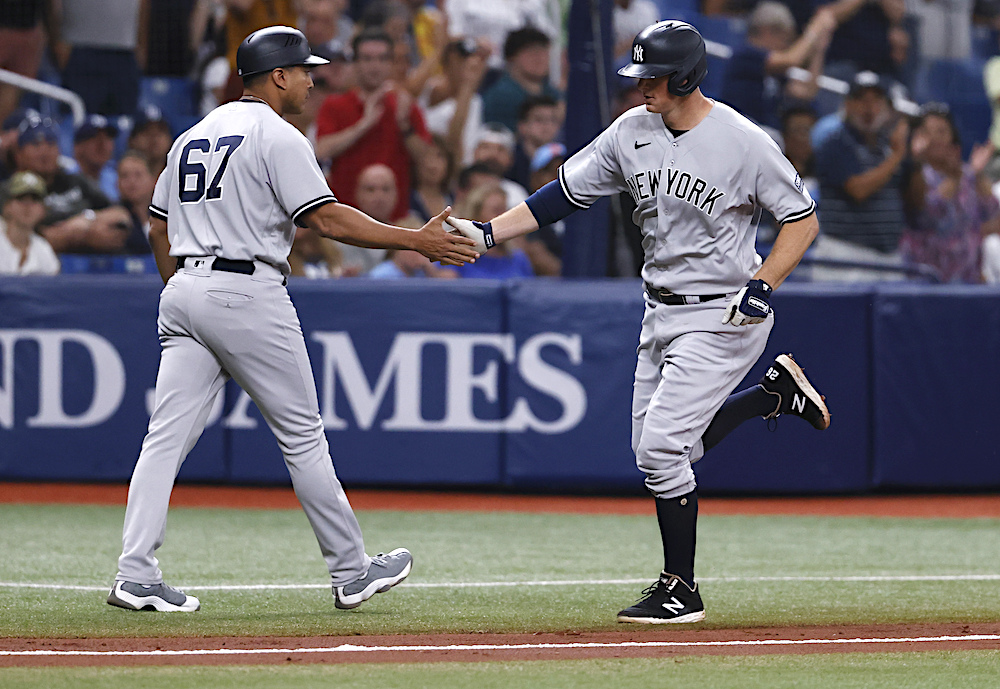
796	395
667	601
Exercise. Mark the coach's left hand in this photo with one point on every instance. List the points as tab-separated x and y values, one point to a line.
750	305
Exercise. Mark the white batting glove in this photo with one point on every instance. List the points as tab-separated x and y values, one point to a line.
750	305
479	232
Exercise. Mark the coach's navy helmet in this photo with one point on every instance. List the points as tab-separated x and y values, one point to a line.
273	47
673	48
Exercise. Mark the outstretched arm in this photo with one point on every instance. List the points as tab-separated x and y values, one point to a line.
351	226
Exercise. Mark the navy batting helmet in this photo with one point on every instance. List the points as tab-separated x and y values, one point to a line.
672	48
273	47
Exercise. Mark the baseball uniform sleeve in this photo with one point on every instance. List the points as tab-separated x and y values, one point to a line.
293	173
161	197
593	171
779	188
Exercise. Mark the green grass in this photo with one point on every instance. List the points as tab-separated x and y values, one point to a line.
78	545
917	670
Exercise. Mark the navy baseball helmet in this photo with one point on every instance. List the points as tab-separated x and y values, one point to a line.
673	48
273	47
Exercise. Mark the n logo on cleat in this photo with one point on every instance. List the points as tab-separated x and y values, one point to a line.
673	605
799	403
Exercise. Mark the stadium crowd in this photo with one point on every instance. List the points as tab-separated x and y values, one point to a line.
456	102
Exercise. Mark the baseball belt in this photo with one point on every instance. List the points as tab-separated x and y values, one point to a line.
667	297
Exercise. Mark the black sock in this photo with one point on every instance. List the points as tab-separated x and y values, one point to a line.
678	519
738	407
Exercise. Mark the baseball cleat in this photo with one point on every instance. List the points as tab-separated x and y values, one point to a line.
667	601
386	571
159	597
796	395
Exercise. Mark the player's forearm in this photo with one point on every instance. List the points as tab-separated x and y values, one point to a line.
517	221
789	247
160	244
350	226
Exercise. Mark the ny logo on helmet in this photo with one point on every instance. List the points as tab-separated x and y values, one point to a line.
637	53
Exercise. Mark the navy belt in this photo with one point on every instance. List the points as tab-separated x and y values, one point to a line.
667	297
224	264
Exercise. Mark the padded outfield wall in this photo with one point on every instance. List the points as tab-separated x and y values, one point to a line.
522	385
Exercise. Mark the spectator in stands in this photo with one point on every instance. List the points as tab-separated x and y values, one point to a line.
243	17
991	81
506	259
374	123
79	218
151	135
526	74
538	124
377	195
629	17
796	125
755	83
103	51
8	139
22	43
544	246
495	149
171	46
493	22
958	207
314	256
326	20
408	264
135	188
872	35
93	148
432	175
943	28
328	80
860	166
451	102
426	24
22	250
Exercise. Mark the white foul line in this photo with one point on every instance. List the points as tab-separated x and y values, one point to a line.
353	648
561	582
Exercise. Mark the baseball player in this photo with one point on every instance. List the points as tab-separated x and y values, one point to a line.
221	230
699	173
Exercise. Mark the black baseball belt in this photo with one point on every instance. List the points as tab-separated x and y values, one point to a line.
226	265
667	297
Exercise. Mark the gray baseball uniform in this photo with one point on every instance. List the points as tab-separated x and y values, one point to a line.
233	185
699	196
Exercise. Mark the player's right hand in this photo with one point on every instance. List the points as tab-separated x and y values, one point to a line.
479	232
445	247
750	305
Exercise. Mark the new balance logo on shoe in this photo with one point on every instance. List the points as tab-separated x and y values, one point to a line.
799	404
794	394
673	605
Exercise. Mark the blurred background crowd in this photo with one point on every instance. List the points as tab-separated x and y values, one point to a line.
885	107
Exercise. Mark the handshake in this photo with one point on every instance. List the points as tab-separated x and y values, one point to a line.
479	232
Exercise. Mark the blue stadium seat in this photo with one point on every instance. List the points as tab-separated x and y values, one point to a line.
959	83
99	263
174	96
668	7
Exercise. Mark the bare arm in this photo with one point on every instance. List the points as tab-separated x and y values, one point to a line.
158	240
789	247
351	226
814	38
517	221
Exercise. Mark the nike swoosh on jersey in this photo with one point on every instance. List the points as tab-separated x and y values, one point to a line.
639	145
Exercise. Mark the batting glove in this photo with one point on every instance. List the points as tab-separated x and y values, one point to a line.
750	305
479	232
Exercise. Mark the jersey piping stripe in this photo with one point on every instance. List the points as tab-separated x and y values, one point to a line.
157	212
569	195
315	203
801	215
